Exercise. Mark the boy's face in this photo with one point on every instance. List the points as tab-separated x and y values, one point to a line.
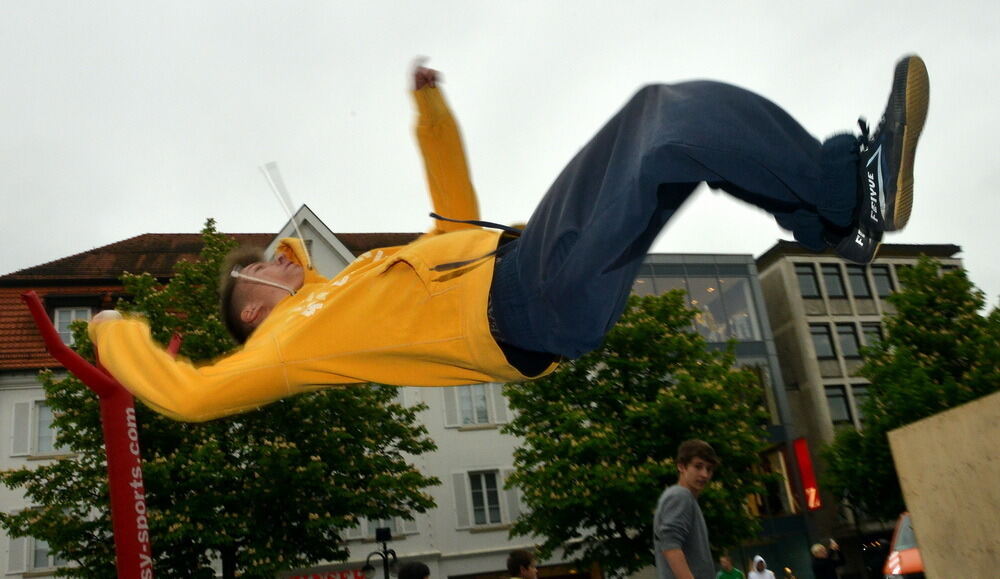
695	475
727	563
530	572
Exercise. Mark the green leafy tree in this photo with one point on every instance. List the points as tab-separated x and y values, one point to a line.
265	491
938	352
601	434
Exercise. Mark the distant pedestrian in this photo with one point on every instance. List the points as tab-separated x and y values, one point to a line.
414	570
521	563
825	561
759	569
728	571
680	536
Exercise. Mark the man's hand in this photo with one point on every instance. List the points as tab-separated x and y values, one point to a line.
105	316
423	76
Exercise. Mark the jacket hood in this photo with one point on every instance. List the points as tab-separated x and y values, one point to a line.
761	559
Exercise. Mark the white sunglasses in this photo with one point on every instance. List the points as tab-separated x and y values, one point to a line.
238	273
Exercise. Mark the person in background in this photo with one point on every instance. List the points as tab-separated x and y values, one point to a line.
680	536
728	571
759	569
825	561
521	563
414	570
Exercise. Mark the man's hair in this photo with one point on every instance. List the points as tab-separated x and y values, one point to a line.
815	549
694	448
414	570
229	307
517	559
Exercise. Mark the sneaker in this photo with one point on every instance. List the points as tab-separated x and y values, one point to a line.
885	170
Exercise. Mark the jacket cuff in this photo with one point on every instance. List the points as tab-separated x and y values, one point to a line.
430	105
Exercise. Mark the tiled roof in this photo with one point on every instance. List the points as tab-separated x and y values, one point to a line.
21	346
155	253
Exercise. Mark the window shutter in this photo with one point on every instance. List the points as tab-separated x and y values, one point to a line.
355	532
21	434
499	404
409	527
16	559
451	406
461	499
513	501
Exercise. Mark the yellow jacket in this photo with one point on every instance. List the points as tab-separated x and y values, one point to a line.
387	318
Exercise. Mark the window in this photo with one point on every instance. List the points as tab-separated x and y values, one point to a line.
63	318
859	281
485	498
738	302
903	271
45	434
33	433
860	393
872	332
481	500
710	319
777	499
836	399
832	281
643	286
30	554
822	341
365	529
847	335
724	306
391	524
474	405
664	284
806	275
882	279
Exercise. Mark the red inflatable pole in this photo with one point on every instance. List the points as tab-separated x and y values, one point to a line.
129	519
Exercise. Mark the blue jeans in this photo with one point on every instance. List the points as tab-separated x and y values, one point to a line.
563	284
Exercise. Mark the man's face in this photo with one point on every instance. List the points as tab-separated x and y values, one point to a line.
280	270
695	475
759	566
254	292
727	563
821	553
530	572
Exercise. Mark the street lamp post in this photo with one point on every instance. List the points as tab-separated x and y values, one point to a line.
382	535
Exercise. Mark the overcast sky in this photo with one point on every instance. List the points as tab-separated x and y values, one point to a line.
122	118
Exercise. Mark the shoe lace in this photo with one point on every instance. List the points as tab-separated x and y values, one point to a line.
865	137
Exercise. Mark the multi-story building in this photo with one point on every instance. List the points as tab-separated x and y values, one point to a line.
822	311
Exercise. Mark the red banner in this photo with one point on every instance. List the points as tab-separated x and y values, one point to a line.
809	486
